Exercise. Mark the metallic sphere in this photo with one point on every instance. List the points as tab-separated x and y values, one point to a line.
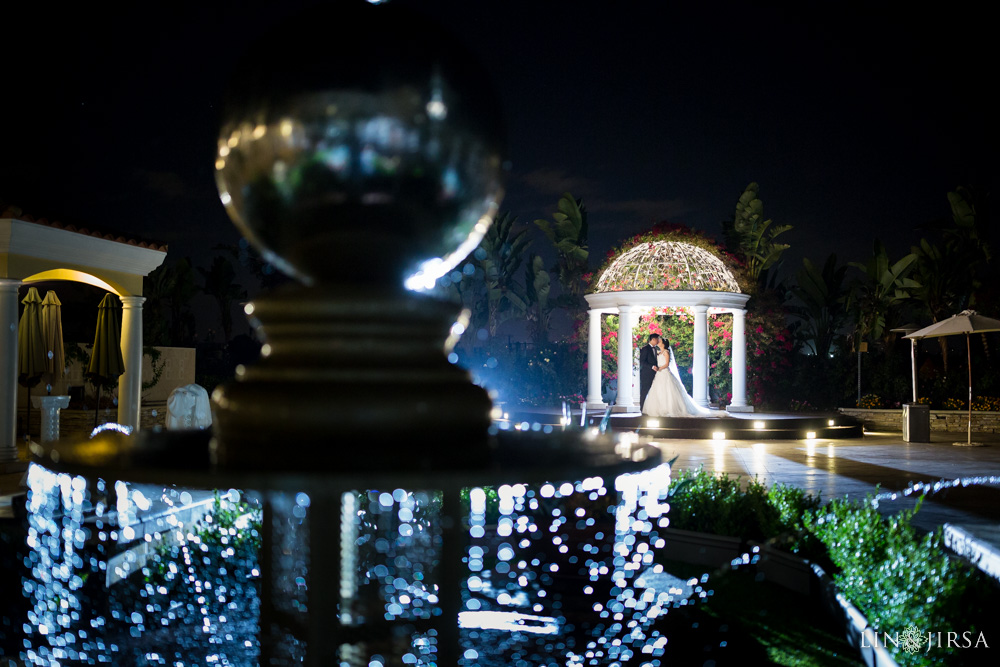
361	145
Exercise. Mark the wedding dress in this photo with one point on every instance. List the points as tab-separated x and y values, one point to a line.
667	396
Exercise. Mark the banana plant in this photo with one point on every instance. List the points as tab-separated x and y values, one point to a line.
878	292
754	236
567	231
537	287
821	297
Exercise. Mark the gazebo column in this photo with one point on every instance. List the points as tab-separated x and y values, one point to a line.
8	372
739	365
130	384
625	399
594	398
699	372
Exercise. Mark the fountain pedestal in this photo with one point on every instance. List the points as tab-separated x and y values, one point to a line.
50	407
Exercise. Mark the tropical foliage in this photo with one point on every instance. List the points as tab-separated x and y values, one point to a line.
877	294
500	255
220	283
753	238
820	304
567	232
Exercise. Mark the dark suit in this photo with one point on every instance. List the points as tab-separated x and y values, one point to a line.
647	359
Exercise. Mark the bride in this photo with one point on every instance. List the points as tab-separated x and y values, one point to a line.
668	397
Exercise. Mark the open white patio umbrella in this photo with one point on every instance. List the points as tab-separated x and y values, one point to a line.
966	322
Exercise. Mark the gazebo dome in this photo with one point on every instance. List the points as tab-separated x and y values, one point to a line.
667	266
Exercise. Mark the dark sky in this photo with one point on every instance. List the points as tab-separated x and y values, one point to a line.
856	119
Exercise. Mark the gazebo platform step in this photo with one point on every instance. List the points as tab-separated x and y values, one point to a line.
749	427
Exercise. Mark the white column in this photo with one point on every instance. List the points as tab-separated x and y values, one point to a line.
699	372
594	360
8	369
130	383
739	358
625	357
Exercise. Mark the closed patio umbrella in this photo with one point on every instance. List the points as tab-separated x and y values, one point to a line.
106	363
966	322
31	351
52	332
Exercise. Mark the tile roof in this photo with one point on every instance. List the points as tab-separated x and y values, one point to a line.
16	213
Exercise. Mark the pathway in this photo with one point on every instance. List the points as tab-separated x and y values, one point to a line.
857	467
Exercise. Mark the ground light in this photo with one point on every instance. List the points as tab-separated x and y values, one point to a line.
653	423
718	435
811	435
758	425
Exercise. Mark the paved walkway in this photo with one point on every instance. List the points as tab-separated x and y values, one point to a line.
856	467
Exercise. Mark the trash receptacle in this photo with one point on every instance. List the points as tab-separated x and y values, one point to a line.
916	422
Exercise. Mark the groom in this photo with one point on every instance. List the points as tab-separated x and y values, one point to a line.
647	367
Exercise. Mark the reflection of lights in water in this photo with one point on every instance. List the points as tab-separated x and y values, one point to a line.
532	551
524	572
509	621
201	594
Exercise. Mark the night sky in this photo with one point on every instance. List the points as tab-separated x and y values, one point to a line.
855	120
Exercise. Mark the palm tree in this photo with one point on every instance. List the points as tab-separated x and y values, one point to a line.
821	299
567	232
220	284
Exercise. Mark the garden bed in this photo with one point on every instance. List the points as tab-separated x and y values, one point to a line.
941	420
885	576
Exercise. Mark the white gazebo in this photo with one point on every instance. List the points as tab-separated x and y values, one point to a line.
661	274
35	251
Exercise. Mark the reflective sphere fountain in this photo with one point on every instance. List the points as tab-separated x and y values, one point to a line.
368	512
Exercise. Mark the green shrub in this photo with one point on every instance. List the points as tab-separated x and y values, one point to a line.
704	502
898	577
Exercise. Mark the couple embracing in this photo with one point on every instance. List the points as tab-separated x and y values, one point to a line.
660	388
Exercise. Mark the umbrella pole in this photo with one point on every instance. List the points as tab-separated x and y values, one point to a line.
968	350
913	366
27	425
97	409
